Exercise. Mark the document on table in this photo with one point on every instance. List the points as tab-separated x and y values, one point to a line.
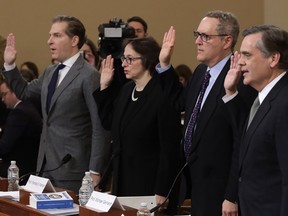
14	195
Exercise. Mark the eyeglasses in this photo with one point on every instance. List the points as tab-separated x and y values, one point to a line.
129	59
3	94
204	37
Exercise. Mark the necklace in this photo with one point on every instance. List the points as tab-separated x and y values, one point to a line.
132	95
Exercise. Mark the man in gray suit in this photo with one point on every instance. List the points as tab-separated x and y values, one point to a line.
70	122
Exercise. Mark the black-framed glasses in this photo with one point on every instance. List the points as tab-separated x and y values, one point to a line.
204	37
129	59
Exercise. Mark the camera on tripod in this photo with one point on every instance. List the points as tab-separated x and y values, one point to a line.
111	36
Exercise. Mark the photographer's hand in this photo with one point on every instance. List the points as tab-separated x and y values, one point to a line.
107	72
167	47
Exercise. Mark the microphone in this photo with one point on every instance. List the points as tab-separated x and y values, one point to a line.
189	160
107	170
64	160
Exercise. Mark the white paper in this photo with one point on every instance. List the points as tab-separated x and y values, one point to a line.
10	195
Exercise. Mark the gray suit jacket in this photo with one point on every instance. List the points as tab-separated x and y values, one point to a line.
72	124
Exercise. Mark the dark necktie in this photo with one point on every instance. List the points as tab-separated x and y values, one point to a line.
253	110
194	116
52	85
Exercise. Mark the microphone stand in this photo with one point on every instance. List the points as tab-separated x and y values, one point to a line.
189	160
65	159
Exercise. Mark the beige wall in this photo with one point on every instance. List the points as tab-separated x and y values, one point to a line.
30	21
275	12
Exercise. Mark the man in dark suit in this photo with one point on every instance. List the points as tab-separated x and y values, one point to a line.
263	163
21	135
70	123
214	139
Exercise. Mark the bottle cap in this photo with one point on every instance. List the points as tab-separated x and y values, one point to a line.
13	162
143	204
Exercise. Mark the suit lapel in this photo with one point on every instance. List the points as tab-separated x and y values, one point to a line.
263	110
210	105
68	79
194	87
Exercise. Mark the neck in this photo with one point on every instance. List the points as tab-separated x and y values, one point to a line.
142	82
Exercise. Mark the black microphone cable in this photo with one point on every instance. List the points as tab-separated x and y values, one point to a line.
64	160
107	170
189	160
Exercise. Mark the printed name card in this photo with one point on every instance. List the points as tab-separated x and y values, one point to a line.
102	202
37	184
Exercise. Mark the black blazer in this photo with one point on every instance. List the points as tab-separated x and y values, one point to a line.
146	139
20	138
215	141
263	170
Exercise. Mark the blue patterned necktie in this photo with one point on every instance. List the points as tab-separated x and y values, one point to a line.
52	85
194	116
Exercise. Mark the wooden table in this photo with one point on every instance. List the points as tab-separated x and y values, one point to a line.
14	208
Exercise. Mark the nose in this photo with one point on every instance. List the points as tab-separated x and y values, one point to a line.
241	61
124	63
49	41
198	40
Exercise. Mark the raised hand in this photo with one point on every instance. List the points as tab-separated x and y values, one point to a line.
167	47
233	76
107	72
10	52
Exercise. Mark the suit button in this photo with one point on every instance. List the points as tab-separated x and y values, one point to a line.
240	179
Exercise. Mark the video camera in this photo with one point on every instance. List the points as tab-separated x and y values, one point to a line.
111	36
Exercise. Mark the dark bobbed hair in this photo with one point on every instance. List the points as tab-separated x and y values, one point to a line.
273	40
228	24
74	28
149	50
32	66
140	20
184	71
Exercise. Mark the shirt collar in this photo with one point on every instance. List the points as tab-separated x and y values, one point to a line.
265	91
70	61
216	69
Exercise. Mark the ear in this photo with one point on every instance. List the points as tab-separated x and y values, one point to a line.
274	59
227	42
75	40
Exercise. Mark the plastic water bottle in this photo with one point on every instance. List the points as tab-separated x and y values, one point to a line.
13	177
143	210
86	189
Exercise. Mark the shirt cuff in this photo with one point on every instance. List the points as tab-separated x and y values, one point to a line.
227	98
160	69
9	67
95	173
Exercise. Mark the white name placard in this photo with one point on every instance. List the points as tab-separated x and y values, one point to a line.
37	184
102	202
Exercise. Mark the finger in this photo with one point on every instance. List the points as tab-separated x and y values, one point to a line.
171	35
164	38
